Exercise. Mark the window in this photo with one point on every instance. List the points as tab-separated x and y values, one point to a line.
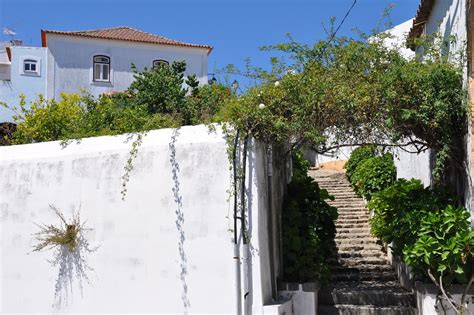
30	66
159	62
101	69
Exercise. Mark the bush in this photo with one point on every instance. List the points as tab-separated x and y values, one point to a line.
75	116
445	246
156	99
373	175
308	229
358	156
399	209
48	120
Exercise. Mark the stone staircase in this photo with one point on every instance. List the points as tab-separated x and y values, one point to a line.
363	281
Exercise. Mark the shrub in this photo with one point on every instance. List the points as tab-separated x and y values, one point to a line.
373	175
358	156
399	209
75	116
48	120
160	89
445	246
308	229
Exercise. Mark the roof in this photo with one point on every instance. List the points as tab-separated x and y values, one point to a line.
123	33
422	15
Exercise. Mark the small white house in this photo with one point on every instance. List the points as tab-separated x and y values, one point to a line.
95	61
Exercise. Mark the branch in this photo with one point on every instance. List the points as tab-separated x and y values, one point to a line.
466	291
423	146
440	286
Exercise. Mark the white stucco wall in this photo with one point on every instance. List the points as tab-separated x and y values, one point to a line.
398	37
138	266
449	18
29	85
72	59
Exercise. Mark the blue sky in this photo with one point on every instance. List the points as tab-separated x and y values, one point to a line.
236	29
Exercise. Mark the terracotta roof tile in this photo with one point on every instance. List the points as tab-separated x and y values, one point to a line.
422	15
124	33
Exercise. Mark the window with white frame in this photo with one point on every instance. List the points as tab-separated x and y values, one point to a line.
159	63
101	68
30	66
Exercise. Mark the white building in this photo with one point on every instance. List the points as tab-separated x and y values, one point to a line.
94	61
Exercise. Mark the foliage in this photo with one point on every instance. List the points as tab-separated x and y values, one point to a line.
373	175
309	229
445	245
48	120
432	236
354	92
444	252
156	99
359	155
204	103
399	209
160	90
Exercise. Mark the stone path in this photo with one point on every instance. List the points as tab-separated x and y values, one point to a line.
363	281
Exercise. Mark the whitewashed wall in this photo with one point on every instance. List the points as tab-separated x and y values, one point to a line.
138	267
72	59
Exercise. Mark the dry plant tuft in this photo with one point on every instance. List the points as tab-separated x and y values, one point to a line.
70	251
50	235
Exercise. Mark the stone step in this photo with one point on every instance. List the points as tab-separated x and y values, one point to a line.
353	230
336	188
343	195
355	242
351	220
352	262
347	247
344	204
349	210
359	225
361	268
364	276
389	295
343	217
365	310
359	253
342	236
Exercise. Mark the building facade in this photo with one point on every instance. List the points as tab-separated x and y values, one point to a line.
95	62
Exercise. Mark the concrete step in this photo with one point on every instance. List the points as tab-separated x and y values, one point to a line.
365	310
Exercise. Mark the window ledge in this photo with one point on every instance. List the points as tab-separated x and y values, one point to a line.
102	83
31	74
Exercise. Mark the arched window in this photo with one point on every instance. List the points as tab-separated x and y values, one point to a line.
30	66
101	68
160	62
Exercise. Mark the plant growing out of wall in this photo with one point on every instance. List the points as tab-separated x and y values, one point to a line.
70	251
